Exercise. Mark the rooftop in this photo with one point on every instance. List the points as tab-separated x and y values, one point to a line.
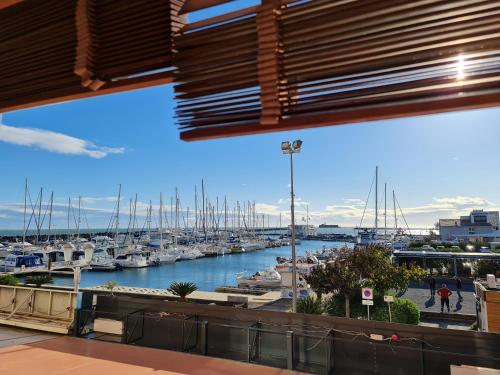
69	355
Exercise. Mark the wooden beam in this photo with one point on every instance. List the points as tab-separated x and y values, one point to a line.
8	3
459	103
193	5
270	70
110	88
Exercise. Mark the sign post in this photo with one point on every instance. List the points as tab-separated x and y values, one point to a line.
367	296
389	300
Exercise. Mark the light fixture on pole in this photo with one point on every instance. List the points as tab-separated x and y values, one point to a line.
68	249
290	148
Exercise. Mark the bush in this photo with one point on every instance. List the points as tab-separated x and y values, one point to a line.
485	267
335	306
39	280
310	305
402	310
9	280
182	289
110	285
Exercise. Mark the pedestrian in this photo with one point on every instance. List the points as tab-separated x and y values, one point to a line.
445	294
432	285
459	287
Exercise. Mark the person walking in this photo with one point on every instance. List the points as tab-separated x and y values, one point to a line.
432	285
459	287
445	294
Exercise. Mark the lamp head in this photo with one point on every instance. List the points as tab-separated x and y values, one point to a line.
296	145
286	147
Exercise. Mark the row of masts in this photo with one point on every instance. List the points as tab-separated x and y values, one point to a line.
208	217
395	203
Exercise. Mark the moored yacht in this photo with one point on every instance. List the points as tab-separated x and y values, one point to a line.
132	260
267	279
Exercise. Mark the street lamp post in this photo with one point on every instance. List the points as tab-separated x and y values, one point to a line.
290	148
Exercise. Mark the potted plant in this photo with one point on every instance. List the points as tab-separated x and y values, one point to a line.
182	289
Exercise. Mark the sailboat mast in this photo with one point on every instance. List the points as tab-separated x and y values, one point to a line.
117	224
195	210
385	210
69	213
50	214
39	223
161	221
78	223
25	205
395	217
307	220
203	218
376	199
150	212
176	216
225	214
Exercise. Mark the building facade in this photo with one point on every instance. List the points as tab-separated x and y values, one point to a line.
474	227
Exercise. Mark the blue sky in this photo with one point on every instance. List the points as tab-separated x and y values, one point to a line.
440	166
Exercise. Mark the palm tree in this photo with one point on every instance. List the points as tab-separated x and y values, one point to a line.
182	289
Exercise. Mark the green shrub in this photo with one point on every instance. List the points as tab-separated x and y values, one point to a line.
402	310
110	285
39	280
310	305
9	280
335	306
182	289
485	267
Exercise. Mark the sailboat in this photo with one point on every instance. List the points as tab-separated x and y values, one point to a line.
370	236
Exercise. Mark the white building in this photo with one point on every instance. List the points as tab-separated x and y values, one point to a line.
479	225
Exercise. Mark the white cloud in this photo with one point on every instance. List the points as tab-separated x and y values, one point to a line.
54	142
354	201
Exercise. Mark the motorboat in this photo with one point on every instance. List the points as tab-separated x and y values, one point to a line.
326	254
19	260
187	253
248	246
132	260
304	264
157	256
101	261
266	279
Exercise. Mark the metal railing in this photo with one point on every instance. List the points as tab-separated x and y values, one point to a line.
310	350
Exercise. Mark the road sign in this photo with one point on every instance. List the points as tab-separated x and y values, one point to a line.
388	298
368	302
367	293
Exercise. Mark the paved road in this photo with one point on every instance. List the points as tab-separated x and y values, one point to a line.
420	294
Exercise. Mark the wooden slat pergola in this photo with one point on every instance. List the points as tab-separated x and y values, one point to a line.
281	65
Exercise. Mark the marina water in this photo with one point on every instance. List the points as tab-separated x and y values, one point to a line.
208	273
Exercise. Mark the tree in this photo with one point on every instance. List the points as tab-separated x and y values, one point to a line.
337	277
362	267
182	289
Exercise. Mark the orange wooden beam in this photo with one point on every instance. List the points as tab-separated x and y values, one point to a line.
459	103
110	88
193	5
8	3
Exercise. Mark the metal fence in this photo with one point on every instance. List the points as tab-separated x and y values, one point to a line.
311	347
